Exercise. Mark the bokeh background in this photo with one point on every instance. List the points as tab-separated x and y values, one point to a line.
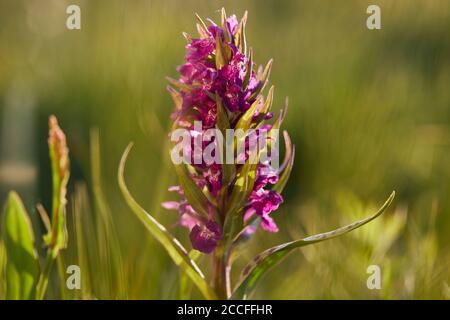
369	113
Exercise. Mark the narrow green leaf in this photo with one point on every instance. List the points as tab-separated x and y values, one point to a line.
223	18
242	40
187	37
202	27
246	119
263	79
223	123
111	254
22	266
172	245
269	100
185	286
223	53
243	186
286	167
193	193
223	22
176	97
249	71
239	37
220	54
269	258
201	31
277	124
265	109
180	85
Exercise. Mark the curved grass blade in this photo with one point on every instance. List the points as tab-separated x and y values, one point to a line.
287	164
22	266
267	259
185	286
110	252
173	247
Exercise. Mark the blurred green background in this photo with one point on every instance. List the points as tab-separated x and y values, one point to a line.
369	113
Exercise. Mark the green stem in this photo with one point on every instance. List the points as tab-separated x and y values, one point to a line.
62	275
43	279
221	274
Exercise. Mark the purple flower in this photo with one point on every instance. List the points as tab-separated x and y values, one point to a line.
232	24
199	49
204	238
188	217
263	203
265	175
228	76
213	177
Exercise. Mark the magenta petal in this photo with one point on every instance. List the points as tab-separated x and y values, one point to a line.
268	224
204	238
248	214
232	24
265	201
174	189
188	221
170	205
249	230
268	116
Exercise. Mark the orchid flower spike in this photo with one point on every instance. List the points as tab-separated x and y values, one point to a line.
219	88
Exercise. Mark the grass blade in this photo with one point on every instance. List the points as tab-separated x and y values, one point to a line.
287	164
173	247
269	258
109	250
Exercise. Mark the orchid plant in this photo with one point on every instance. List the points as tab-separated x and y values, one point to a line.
223	204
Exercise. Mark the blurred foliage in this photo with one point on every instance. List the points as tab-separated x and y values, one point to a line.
369	112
